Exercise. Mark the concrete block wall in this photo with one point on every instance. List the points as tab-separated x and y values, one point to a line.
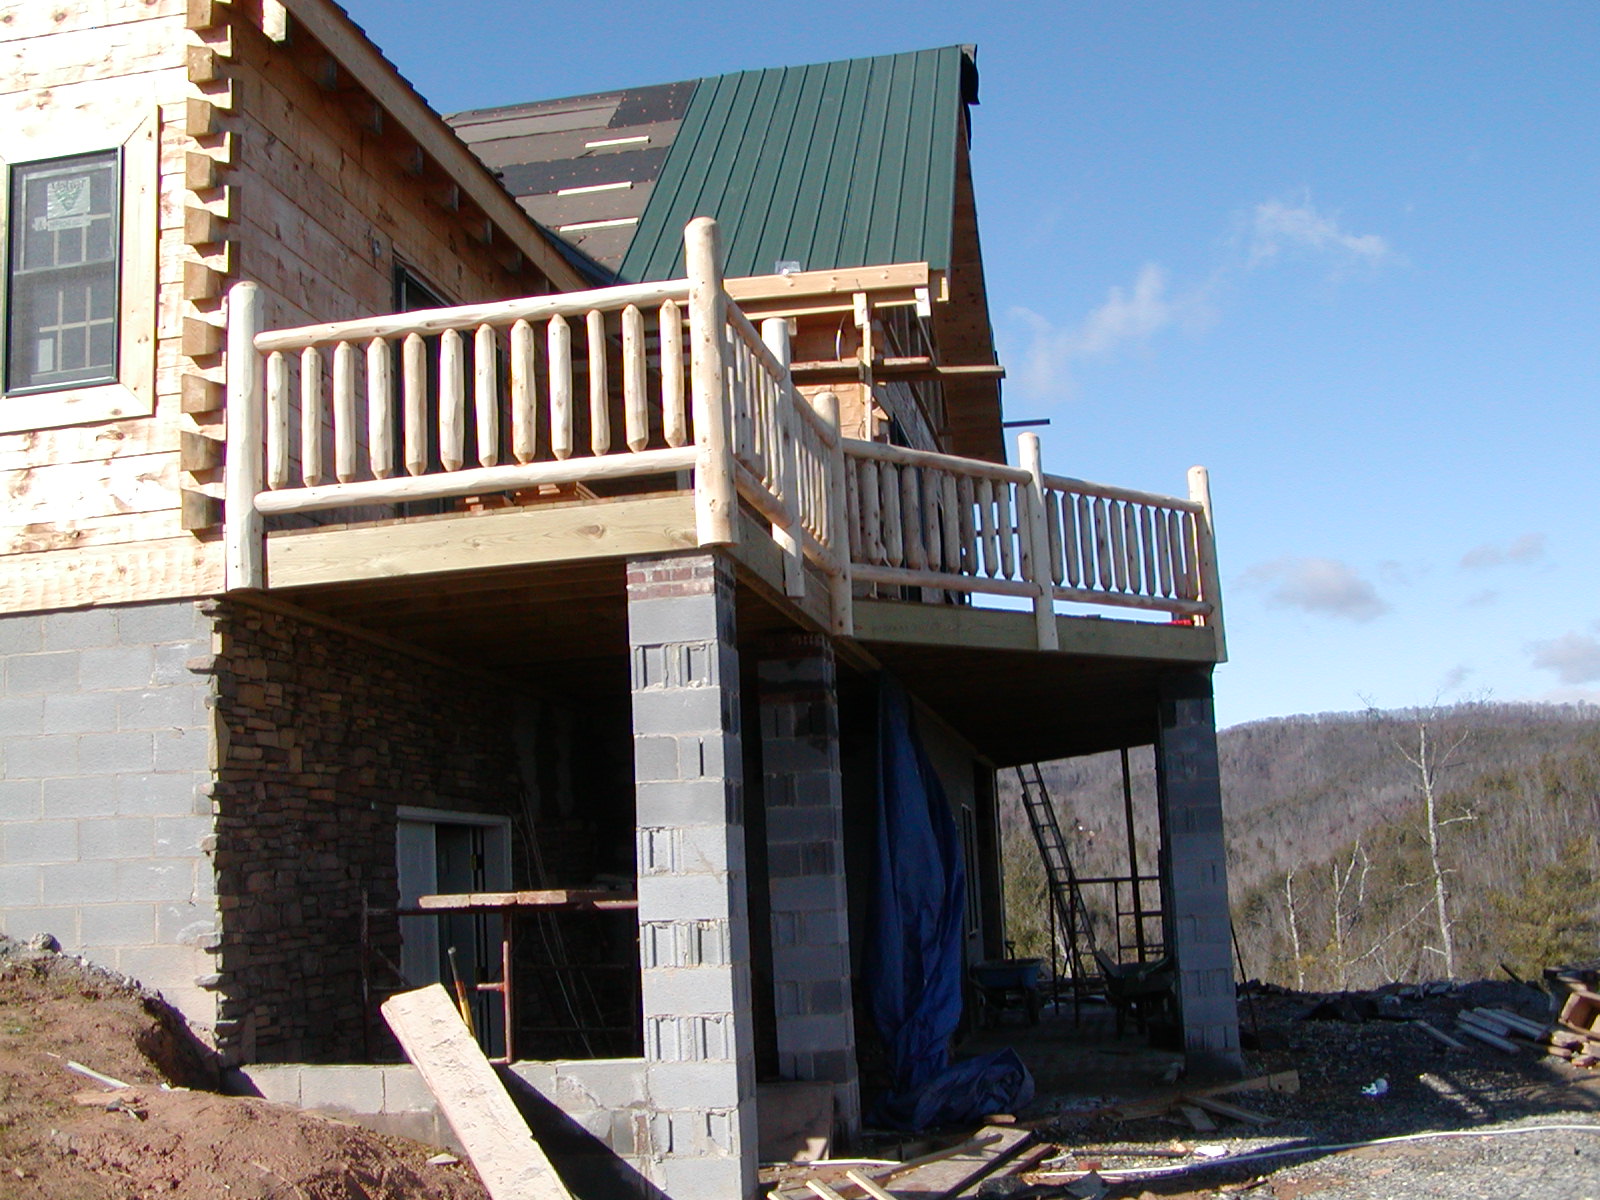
593	1117
105	824
806	874
1195	869
694	938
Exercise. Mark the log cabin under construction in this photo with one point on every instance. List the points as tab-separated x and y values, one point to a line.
515	534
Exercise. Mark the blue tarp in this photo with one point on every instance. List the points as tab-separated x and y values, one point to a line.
914	962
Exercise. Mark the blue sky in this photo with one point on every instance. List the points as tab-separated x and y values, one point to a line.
1344	255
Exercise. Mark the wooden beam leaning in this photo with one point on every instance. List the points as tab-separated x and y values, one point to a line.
474	1101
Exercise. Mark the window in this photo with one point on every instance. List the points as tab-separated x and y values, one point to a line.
78	296
61	289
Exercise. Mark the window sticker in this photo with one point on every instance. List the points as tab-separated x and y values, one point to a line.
66	204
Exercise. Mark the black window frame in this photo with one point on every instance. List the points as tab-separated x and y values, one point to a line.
16	230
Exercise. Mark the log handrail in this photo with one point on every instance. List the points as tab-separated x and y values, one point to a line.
473	399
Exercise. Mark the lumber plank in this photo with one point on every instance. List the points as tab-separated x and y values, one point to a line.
1197	1118
1439	1035
1484	1036
474	541
511	1163
1222	1108
869	1185
167	569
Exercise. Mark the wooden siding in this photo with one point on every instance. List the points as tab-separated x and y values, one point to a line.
92	511
266	172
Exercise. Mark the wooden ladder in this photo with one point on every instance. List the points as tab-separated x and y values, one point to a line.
1071	927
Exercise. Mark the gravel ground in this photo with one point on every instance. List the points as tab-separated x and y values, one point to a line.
1452	1107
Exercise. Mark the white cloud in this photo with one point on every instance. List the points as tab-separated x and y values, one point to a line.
1528	548
1574	657
1454	678
1128	318
1318	585
1279	229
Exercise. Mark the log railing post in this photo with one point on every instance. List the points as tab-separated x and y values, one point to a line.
786	470
1206	551
840	517
245	473
1036	543
715	497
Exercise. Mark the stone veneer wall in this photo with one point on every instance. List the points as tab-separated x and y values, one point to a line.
104	822
321	737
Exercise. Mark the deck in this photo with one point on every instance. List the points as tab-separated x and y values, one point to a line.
446	461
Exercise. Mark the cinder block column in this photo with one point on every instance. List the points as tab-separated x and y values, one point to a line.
805	852
1194	867
694	938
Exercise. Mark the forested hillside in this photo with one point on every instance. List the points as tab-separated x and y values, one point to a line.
1333	878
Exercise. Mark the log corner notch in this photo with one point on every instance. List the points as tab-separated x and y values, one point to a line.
324	44
473	1099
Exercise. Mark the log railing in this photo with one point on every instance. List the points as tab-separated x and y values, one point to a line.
374	413
452	402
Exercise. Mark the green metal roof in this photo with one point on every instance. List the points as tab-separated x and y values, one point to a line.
842	164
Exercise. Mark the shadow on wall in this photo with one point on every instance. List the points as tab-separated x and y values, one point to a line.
591	1169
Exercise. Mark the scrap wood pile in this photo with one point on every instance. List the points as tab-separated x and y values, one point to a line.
998	1152
1028	1159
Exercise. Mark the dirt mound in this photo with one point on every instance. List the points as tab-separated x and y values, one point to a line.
182	1141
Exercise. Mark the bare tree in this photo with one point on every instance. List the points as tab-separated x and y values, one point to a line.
1294	932
1431	746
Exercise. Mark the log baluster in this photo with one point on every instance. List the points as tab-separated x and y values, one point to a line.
635	398
674	424
1119	546
380	408
345	442
986	523
452	401
524	393
486	395
1071	546
277	420
311	416
558	354
1006	527
599	400
414	369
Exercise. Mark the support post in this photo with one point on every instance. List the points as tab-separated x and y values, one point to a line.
245	470
805	854
775	333
839	517
694	937
1206	552
1194	870
715	496
1036	544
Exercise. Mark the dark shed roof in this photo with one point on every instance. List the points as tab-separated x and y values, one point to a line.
841	164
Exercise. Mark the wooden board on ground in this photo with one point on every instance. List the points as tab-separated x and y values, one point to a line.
471	1096
935	1179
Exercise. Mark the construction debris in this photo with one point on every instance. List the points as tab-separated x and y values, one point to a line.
471	1096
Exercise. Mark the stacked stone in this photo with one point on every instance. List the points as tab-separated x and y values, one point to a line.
323	737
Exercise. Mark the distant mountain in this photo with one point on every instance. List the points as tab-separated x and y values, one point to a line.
1520	784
